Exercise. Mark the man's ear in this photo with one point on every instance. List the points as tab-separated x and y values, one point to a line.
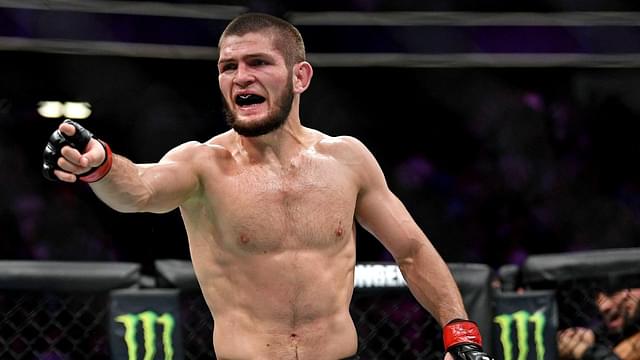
302	74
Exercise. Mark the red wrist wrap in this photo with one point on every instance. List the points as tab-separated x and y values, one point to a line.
100	171
461	331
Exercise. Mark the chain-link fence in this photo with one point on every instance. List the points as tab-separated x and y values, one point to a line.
392	325
47	325
197	326
58	310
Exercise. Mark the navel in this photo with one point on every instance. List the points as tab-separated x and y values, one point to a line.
294	338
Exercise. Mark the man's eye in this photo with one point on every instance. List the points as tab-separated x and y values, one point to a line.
227	67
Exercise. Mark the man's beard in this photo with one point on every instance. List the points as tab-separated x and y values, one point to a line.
273	120
632	321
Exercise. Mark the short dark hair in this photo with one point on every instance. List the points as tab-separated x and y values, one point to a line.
286	38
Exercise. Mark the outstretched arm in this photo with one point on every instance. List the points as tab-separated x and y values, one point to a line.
381	213
129	187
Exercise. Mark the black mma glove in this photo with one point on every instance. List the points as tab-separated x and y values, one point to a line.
79	140
463	341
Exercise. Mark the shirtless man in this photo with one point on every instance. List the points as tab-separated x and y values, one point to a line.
270	208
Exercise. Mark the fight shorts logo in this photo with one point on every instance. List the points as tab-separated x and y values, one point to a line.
149	322
520	322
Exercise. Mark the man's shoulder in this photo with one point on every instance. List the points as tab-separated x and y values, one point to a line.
333	142
195	150
348	151
342	146
222	141
351	153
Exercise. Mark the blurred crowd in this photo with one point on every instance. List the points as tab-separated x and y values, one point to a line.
493	164
528	167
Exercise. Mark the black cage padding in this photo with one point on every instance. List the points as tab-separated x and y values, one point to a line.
68	276
176	273
612	266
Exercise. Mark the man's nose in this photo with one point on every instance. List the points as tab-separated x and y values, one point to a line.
604	302
243	76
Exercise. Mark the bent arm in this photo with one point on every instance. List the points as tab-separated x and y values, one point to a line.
158	188
381	213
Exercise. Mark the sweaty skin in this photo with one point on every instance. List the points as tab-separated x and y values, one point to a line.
271	219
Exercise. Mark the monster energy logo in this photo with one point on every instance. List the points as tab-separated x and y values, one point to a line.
521	319
149	320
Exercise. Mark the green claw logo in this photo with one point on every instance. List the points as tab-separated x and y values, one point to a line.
521	320
149	320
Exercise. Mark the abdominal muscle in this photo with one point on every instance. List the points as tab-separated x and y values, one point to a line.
330	337
292	304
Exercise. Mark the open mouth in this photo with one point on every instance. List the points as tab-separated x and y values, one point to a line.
613	319
249	99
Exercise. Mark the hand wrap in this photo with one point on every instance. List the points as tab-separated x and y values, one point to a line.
463	341
79	141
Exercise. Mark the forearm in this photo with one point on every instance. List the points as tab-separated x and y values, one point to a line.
432	283
123	188
629	348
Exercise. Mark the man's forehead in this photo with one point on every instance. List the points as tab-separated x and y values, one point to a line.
248	42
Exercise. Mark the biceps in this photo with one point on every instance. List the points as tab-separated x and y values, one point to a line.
385	217
169	184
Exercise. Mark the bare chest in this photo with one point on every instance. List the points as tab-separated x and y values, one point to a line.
305	207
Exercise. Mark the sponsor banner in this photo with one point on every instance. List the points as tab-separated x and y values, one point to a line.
525	325
378	276
145	325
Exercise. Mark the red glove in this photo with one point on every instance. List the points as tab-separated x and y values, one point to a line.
463	341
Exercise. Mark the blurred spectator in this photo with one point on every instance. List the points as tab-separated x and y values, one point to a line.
619	338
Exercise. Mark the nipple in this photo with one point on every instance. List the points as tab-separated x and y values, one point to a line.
244	239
